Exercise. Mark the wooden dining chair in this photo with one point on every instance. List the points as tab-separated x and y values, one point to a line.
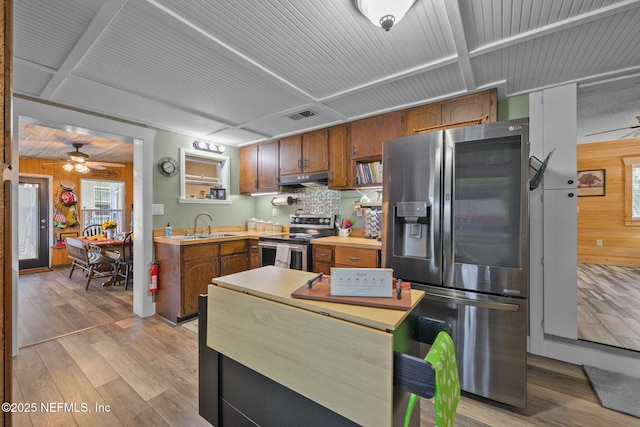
92	230
90	259
124	265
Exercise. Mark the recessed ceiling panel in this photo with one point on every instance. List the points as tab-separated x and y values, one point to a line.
107	100
147	52
54	28
235	136
596	48
323	47
29	80
411	90
487	21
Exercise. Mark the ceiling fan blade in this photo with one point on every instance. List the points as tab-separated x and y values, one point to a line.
95	166
112	165
610	130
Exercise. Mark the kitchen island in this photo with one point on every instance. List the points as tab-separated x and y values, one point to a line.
269	359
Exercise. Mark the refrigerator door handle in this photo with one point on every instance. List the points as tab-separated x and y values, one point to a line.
475	303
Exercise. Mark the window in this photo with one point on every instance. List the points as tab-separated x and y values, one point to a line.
631	190
102	201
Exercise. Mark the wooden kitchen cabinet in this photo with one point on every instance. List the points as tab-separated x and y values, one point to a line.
322	258
259	167
184	273
254	254
306	153
339	157
233	257
348	257
367	134
471	107
422	117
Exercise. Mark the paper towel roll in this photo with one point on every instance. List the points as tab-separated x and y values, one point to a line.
282	201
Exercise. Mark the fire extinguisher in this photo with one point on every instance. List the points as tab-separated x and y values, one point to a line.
153	277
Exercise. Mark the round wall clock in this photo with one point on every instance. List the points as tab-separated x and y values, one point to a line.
168	166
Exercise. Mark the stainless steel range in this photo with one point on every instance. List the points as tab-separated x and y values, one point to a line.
293	249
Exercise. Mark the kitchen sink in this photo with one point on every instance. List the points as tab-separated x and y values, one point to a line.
201	236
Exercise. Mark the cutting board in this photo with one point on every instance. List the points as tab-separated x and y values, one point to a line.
321	291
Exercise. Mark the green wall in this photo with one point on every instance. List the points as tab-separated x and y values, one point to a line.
515	107
166	190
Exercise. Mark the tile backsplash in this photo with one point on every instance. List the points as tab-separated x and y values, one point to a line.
318	200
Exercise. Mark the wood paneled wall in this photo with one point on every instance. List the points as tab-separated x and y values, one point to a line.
602	217
30	165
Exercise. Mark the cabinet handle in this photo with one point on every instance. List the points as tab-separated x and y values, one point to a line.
254	247
305	164
299	163
570	182
570	194
355	258
322	255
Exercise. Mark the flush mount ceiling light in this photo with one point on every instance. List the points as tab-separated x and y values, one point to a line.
384	13
207	146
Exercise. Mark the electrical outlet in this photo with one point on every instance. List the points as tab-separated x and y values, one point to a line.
274	212
157	209
598	242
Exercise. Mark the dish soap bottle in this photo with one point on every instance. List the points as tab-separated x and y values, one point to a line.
167	229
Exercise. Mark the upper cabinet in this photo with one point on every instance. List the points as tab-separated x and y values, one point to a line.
466	110
367	134
306	153
422	117
259	167
204	177
471	107
338	157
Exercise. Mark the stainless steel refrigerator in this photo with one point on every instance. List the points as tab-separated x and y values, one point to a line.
455	224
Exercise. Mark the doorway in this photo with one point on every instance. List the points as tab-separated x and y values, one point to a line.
33	223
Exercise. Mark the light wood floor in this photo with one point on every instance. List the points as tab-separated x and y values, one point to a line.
146	371
609	305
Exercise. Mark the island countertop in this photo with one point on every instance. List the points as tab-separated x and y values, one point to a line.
277	284
354	242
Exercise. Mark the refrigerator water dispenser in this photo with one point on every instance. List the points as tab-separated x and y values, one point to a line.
413	219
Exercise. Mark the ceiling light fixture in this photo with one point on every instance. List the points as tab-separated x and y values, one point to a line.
384	13
68	167
207	146
81	168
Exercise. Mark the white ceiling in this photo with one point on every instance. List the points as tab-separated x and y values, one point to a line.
231	71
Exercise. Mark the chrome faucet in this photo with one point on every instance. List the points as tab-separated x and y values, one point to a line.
195	222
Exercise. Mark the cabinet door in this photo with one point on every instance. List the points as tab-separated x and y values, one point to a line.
421	117
291	155
268	166
367	134
249	169
357	257
338	157
322	258
315	151
197	277
471	107
233	263
254	255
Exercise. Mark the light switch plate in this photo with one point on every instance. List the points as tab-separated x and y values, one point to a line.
157	209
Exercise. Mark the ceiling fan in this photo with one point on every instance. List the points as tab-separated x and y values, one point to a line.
633	133
78	161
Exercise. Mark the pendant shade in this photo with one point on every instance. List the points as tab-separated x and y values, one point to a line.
384	13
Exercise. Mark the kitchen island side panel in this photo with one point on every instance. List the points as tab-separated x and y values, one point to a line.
345	367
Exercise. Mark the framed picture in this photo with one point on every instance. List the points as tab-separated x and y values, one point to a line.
591	182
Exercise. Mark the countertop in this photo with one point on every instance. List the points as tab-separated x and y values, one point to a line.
354	242
277	284
237	235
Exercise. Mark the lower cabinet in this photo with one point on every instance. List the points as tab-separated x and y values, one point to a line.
185	271
254	254
347	257
322	258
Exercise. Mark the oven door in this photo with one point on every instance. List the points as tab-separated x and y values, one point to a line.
267	252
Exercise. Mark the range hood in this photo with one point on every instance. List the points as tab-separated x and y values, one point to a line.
304	180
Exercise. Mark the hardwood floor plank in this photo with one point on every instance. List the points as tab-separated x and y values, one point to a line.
87	358
128	406
177	411
19	419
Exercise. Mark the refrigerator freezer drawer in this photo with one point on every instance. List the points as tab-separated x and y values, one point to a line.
490	334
